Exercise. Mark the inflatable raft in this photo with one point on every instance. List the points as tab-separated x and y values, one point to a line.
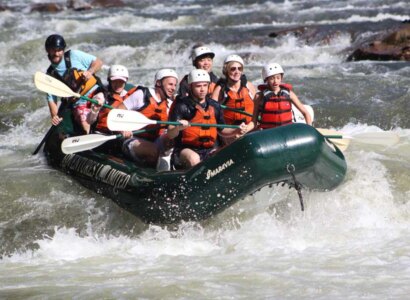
296	154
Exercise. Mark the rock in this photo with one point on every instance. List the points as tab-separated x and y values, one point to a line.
46	7
393	45
107	3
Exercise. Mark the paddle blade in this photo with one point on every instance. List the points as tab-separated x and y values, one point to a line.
385	138
50	85
84	142
299	117
341	143
127	120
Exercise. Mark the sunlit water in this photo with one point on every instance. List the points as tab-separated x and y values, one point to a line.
59	240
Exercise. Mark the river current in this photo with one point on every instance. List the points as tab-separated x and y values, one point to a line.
59	240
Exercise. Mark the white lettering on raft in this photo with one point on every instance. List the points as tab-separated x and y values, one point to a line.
216	171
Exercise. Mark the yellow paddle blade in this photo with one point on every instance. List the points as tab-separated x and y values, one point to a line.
341	143
50	85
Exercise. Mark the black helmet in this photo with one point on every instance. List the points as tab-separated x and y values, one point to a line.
55	41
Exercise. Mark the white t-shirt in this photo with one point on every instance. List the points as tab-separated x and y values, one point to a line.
136	100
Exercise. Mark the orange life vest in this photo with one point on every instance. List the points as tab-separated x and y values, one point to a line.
114	100
275	109
240	100
154	111
211	88
200	136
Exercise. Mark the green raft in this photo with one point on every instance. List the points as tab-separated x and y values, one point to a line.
296	154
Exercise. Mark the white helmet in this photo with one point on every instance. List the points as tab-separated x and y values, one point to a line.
271	69
234	57
201	50
118	72
198	75
165	73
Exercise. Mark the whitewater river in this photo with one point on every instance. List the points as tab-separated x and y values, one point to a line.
59	240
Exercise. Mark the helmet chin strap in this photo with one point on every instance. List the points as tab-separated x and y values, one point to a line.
163	90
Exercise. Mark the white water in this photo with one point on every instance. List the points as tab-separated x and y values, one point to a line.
62	241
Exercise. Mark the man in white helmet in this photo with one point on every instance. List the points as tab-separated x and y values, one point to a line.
273	106
202	58
154	103
195	143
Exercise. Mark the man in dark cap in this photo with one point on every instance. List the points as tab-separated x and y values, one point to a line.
76	69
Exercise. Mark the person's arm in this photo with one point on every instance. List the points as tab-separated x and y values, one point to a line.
295	100
177	115
255	116
252	90
94	68
215	94
238	132
95	108
173	131
53	107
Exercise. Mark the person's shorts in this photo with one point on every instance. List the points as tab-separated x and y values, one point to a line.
128	144
81	112
203	154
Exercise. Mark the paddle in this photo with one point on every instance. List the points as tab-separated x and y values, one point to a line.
385	138
236	110
50	85
43	140
90	141
127	120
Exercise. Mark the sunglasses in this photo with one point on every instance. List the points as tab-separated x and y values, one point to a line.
233	69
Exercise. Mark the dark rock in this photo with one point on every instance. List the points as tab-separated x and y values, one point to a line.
392	45
46	7
107	3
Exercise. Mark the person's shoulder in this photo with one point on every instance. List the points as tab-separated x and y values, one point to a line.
184	101
80	54
213	103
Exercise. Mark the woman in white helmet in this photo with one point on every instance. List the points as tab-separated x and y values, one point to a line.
273	106
202	58
234	91
193	144
154	103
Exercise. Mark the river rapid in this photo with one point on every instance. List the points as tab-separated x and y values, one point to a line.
58	240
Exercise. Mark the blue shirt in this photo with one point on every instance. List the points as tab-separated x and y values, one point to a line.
79	60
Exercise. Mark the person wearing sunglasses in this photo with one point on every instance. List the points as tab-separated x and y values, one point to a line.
236	93
273	105
202	58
